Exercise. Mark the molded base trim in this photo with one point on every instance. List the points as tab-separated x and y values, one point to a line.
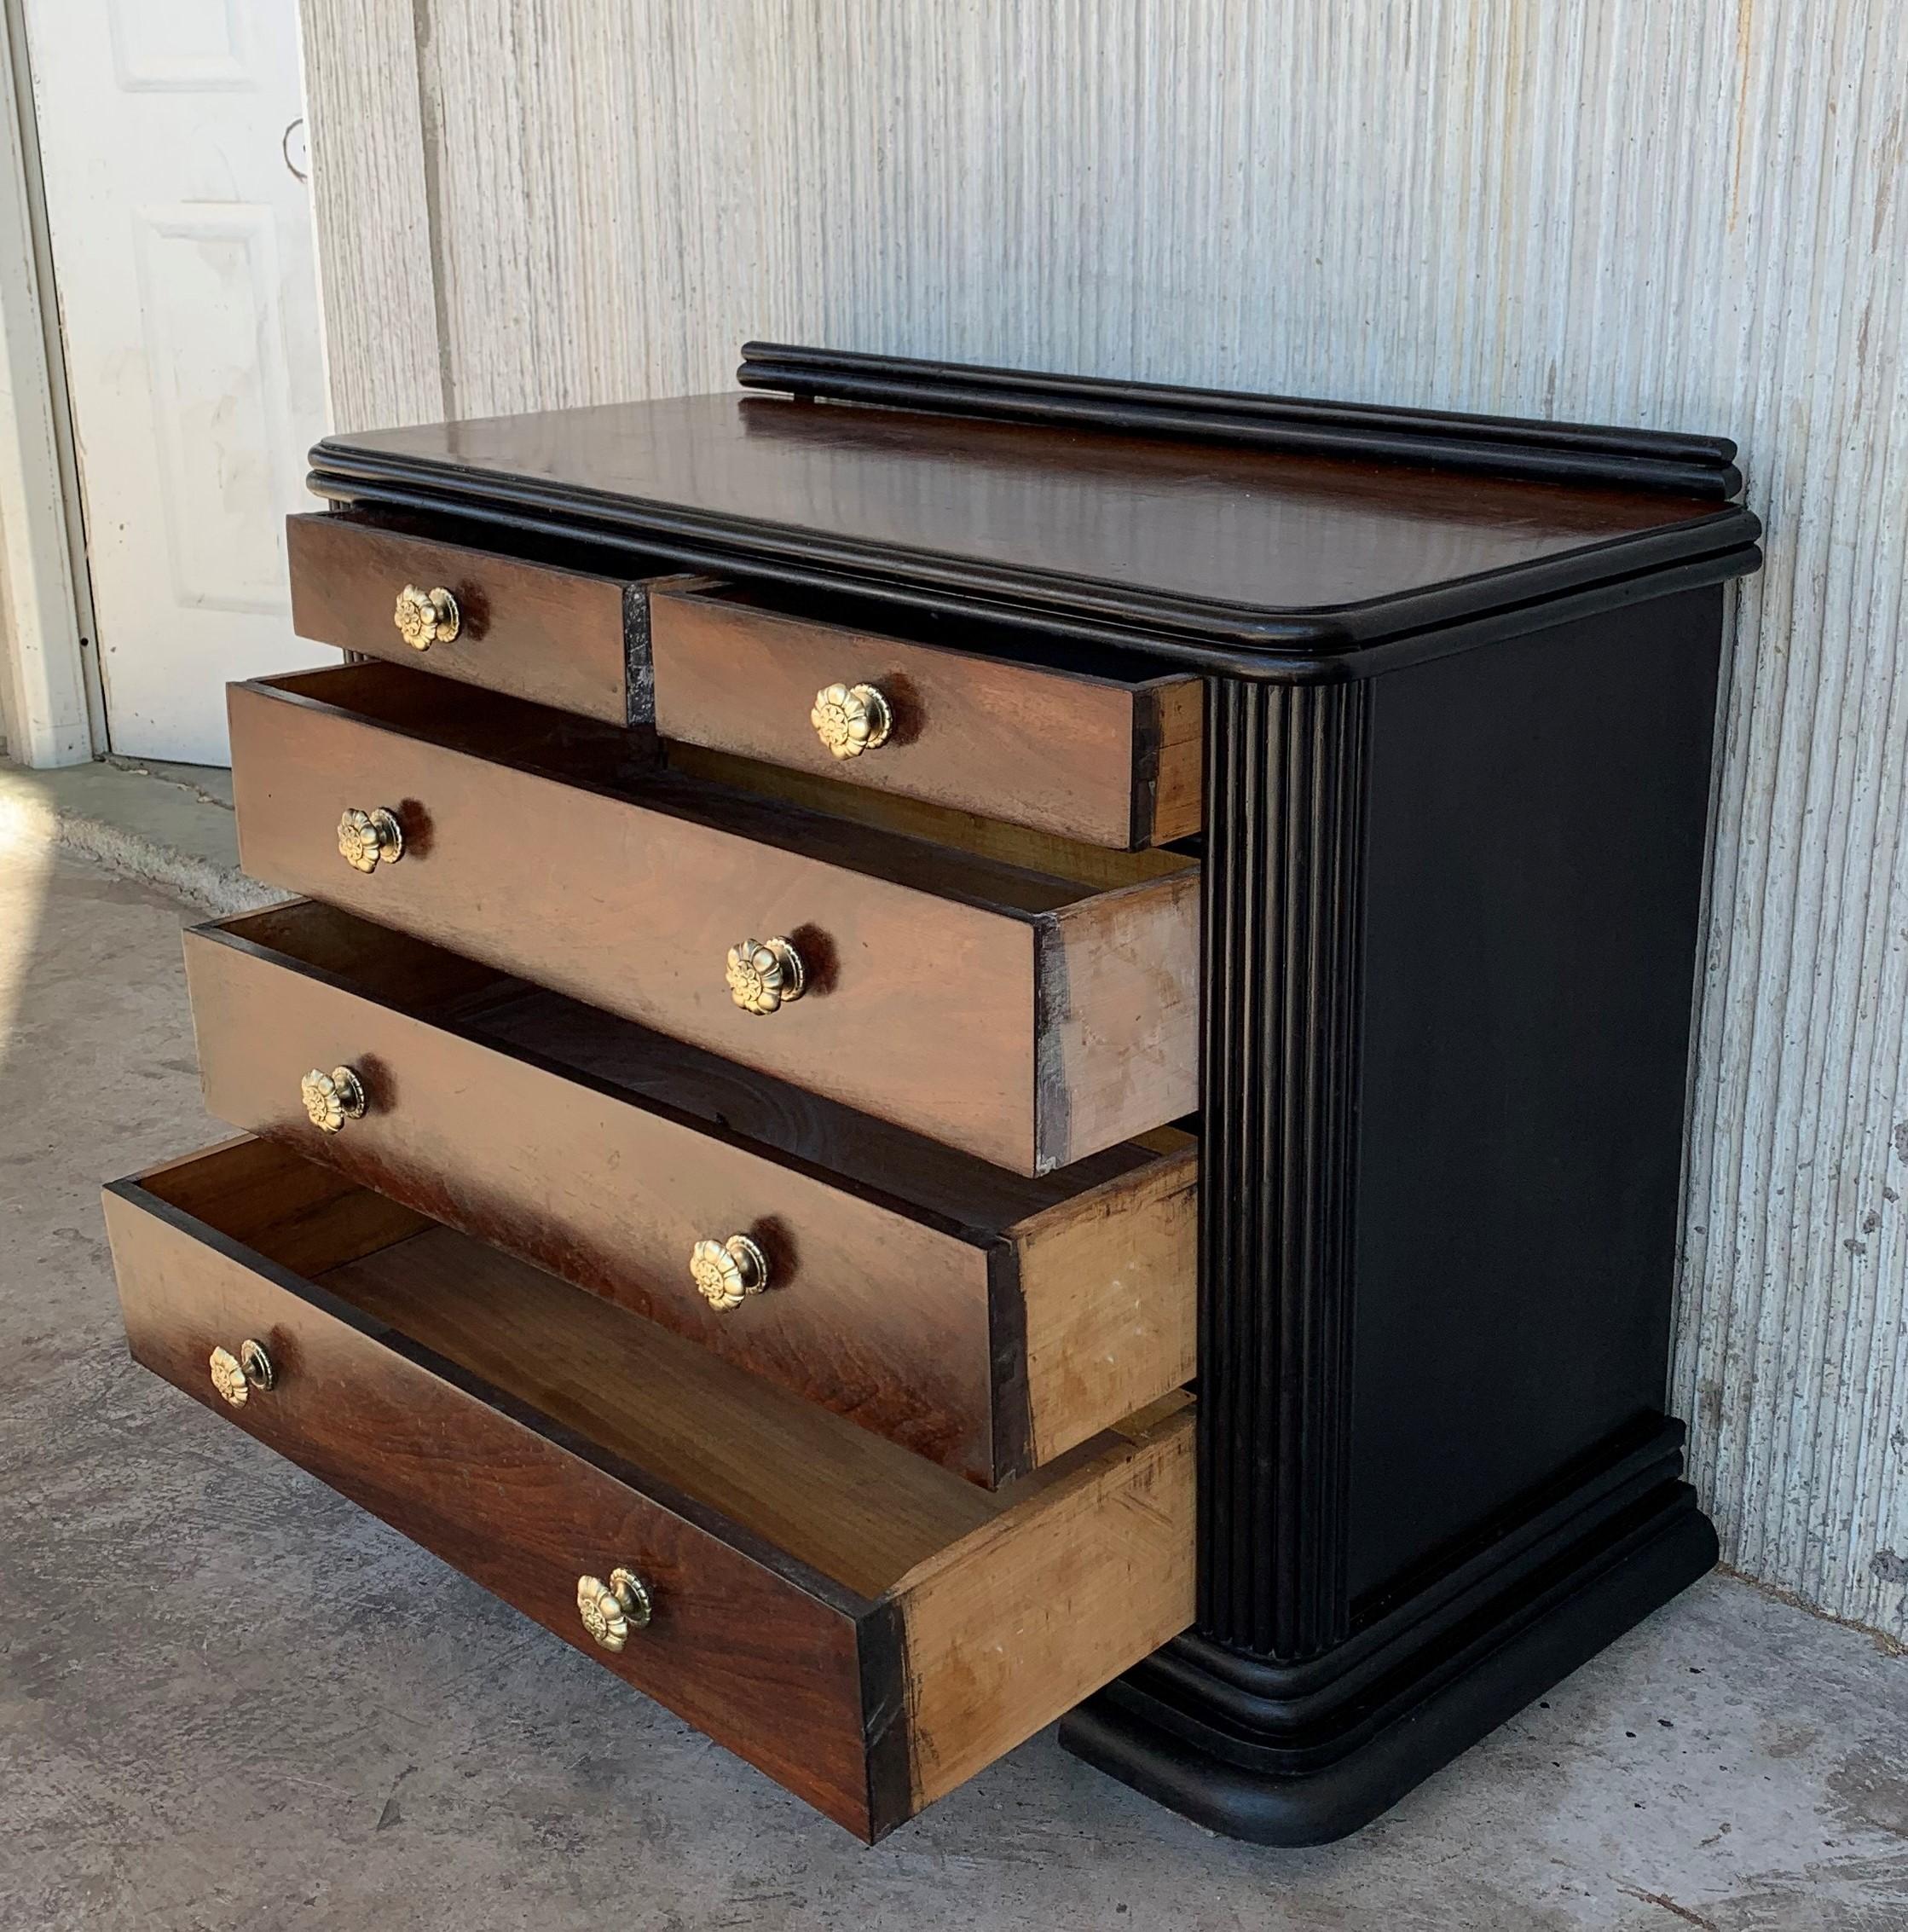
1265	1770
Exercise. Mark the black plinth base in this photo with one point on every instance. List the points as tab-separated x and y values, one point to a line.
1301	1755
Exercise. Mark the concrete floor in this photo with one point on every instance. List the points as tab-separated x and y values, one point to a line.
227	1698
170	825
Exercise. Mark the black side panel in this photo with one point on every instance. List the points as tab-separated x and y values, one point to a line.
1535	818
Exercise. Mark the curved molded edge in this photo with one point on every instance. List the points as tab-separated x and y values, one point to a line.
1164	1741
1322	647
1507	446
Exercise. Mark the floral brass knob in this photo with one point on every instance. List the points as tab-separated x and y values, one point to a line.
426	617
331	1099
765	975
725	1272
235	1376
850	719
612	1611
367	840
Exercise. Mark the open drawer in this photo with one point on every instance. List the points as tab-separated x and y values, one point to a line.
1090	744
986	1320
867	1629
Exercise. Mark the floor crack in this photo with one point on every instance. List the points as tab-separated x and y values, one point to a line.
1669	1905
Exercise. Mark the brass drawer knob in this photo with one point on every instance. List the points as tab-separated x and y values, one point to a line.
850	719
725	1272
235	1376
367	840
331	1099
426	617
612	1611
765	975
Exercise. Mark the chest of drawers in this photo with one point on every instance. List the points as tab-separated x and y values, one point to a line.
965	1049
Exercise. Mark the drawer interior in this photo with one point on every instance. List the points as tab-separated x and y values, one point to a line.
1047	650
852	1505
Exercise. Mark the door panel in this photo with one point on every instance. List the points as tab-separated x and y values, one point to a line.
182	250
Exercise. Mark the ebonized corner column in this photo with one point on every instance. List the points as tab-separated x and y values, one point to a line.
1451	923
1285	783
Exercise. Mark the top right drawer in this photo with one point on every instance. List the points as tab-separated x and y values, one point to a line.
1091	755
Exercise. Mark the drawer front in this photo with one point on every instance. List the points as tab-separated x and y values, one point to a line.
503	1501
1031	1036
556	637
1091	758
868	1635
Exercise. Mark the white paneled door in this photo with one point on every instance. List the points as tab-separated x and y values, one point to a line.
171	137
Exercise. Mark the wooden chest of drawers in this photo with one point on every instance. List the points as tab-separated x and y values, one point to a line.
965	1050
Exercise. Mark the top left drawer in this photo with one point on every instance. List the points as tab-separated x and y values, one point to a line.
562	638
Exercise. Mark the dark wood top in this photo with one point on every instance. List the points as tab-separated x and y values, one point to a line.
1236	549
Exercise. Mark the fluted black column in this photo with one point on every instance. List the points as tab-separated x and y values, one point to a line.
1285	779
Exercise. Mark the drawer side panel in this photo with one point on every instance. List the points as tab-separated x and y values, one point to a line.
1014	1625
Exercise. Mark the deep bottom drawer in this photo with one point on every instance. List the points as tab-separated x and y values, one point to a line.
867	1629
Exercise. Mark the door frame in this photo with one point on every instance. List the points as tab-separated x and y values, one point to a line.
51	704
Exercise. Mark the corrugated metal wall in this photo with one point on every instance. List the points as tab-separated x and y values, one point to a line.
1620	210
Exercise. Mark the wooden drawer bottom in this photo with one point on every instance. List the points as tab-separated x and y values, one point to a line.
868	1629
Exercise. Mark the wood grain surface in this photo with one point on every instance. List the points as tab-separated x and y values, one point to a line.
972	832
556	637
1103	758
1105	1333
1086	1576
949	994
1118	1019
1083	521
